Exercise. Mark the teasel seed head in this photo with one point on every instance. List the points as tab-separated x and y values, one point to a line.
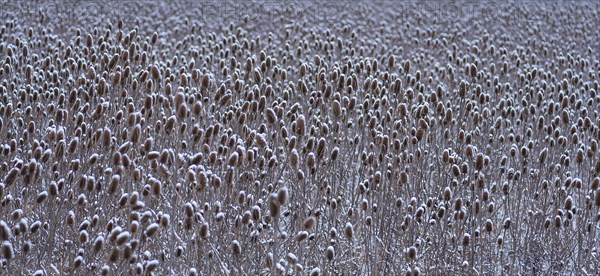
330	253
411	253
282	195
349	231
7	250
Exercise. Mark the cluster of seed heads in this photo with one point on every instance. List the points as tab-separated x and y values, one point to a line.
377	142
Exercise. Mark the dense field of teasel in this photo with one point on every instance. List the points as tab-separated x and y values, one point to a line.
305	138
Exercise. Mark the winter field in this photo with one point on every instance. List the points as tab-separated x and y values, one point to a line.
299	138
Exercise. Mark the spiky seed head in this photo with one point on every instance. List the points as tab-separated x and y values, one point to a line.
411	253
114	255
447	194
235	247
294	156
507	223
568	203
489	225
151	266
330	253
282	195
204	230
41	197
274	206
5	232
151	229
301	236
473	70
466	239
233	159
165	220
154	72
336	108
406	66
7	250
349	231
309	223
271	116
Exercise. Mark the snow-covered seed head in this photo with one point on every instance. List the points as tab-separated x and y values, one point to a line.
466	239
5	231
411	253
7	250
330	253
309	223
41	197
282	195
568	203
151	229
235	247
488	225
301	236
349	231
204	230
447	194
233	159
274	206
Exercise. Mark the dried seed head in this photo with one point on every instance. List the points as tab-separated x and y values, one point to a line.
170	125
7	250
41	197
334	153
542	156
151	229
282	195
466	239
349	231
301	236
122	237
235	247
114	255
233	159
488	226
447	194
300	126
154	72
330	253
411	253
310	160
204	230
568	203
309	223
473	70
274	206
294	156
271	116
5	232
336	109
114	184
136	133
506	224
151	266
557	221
165	220
156	187
256	213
